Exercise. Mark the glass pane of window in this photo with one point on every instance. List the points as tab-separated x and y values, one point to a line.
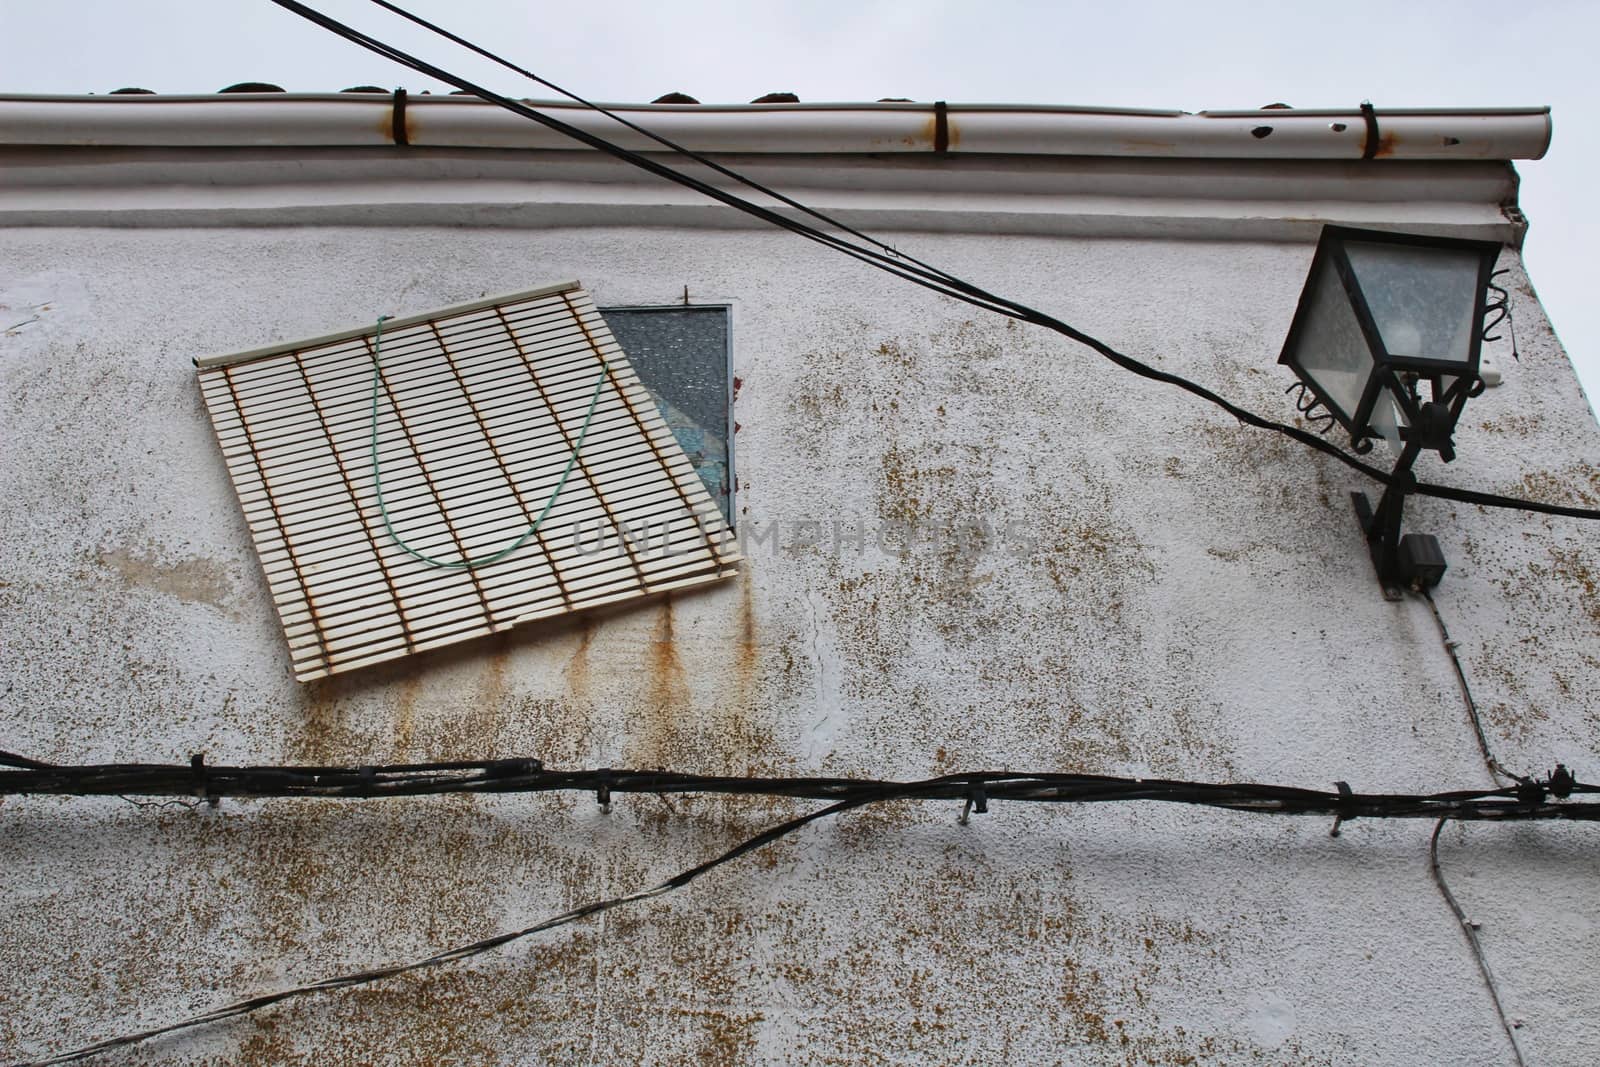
681	356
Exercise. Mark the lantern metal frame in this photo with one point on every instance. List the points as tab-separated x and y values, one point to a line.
1395	375
1428	423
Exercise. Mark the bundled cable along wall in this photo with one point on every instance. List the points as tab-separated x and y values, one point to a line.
1529	799
479	415
1532	800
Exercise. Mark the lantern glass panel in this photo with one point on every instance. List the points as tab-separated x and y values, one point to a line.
1332	350
1422	298
1387	419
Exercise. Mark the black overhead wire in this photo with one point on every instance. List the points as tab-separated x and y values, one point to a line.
1470	928
1500	772
1496	768
11	759
889	259
460	952
1528	801
886	260
665	142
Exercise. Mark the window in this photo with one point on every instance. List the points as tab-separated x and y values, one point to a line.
683	355
507	433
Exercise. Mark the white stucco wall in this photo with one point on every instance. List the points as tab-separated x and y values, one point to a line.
1197	604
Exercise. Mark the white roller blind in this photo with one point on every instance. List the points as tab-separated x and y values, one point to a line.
479	411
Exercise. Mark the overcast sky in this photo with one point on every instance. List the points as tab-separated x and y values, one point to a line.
1178	54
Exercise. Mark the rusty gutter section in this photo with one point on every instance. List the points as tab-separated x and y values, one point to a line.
397	120
350	120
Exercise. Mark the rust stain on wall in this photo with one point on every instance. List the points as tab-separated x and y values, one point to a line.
577	669
463	1017
717	719
818	401
1092	998
478	732
336	720
653	734
909	489
194	580
1514	424
1569	565
322	732
1059	560
1545	595
726	1038
405	717
1087	546
1578	484
747	614
746	651
385	126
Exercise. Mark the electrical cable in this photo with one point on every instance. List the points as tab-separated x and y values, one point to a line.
894	263
688	153
1471	930
889	260
1499	772
460	952
11	759
1531	800
1528	799
1496	768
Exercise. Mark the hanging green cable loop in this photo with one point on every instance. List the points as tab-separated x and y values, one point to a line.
549	505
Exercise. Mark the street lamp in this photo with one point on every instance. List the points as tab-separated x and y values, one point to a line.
1382	314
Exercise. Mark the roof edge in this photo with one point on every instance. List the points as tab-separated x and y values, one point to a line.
324	119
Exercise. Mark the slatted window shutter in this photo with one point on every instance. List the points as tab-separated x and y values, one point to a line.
479	411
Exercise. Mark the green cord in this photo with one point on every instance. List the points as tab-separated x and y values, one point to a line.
377	470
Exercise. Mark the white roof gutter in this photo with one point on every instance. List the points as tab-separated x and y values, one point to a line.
344	120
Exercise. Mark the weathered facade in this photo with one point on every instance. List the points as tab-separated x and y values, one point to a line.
1162	591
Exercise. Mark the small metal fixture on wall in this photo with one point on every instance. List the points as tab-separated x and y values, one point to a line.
1383	314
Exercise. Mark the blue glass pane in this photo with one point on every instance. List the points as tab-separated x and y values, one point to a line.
681	356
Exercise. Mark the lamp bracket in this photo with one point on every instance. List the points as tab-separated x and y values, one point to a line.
1412	560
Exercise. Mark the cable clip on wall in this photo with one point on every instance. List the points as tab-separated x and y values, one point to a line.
1348	812
977	801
